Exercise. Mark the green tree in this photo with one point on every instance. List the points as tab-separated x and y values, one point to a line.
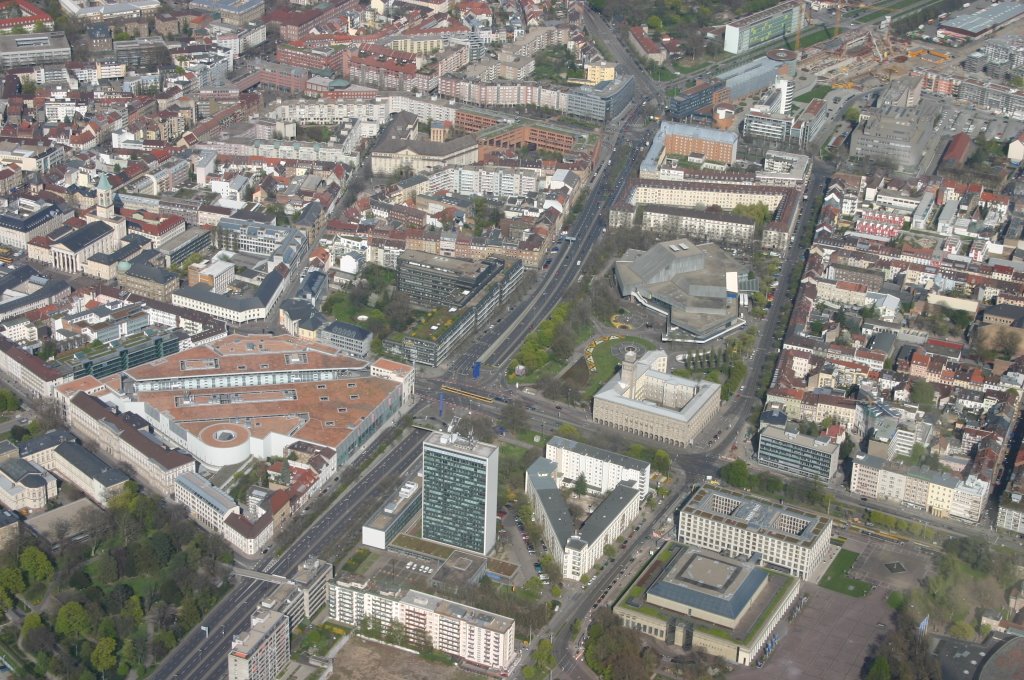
72	620
513	416
759	212
32	621
35	564
736	474
568	431
1006	342
662	462
580	487
852	114
11	580
189	614
922	394
102	656
655	23
609	551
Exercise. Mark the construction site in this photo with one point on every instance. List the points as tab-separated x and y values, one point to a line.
874	54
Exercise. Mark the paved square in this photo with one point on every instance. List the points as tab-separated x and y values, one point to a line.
828	640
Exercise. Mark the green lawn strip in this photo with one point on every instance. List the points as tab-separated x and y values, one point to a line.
835	577
422	546
815	37
606	363
889	9
692	67
817	92
779	594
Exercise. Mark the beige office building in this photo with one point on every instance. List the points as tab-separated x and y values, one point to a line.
645	399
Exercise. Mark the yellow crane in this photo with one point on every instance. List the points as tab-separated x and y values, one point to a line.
806	18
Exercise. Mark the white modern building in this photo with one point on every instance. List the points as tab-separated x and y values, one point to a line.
576	549
479	637
603	470
787	539
645	399
263	651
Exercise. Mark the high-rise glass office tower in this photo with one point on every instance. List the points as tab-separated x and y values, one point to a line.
460	492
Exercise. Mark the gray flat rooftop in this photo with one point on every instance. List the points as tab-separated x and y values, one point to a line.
754	514
985	19
709	582
479	617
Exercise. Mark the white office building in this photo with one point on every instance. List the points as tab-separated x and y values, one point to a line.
787	539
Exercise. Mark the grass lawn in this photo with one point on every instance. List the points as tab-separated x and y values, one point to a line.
811	38
607	362
893	9
421	546
816	92
548	369
512	451
660	73
143	585
835	577
691	68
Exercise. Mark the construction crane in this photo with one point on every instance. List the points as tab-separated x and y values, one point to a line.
839	18
800	27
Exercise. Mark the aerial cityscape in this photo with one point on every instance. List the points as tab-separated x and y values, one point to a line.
452	339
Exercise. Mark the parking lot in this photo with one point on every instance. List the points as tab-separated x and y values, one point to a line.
954	119
400	571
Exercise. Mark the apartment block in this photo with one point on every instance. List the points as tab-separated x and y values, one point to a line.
219	514
479	637
700	225
682	139
603	470
578	549
937	493
33	49
263	651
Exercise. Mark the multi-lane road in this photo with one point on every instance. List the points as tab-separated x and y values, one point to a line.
203	656
696	463
499	344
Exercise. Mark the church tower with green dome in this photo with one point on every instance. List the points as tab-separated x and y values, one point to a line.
104	199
